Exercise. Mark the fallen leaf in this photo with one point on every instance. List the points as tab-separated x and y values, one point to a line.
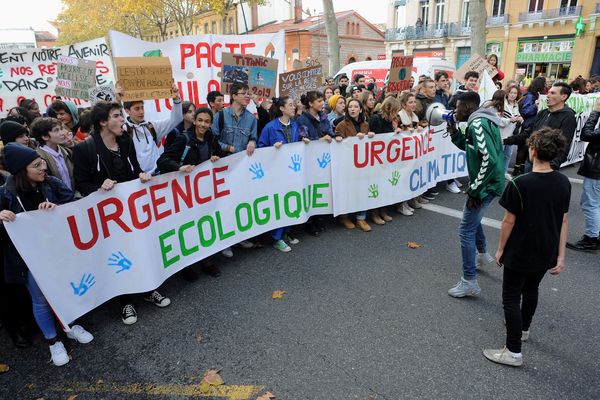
199	337
3	368
72	397
99	382
266	396
413	245
211	377
29	386
278	294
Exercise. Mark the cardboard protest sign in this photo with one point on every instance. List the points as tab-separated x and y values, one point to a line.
400	73
478	64
102	93
74	77
144	78
32	73
259	73
300	81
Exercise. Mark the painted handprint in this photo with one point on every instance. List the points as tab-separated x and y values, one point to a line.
296	160
325	160
87	281
119	260
373	191
395	178
257	170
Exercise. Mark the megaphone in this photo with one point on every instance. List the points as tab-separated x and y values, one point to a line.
437	114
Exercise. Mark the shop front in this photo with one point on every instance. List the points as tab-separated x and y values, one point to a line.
546	57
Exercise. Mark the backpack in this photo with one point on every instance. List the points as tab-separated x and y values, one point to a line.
150	128
186	149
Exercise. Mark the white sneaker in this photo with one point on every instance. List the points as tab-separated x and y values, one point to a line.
227	252
457	182
405	209
483	259
246	244
503	356
409	207
79	334
59	354
452	187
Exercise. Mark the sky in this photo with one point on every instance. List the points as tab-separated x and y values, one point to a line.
33	13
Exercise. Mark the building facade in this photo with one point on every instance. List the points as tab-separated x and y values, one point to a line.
205	22
530	37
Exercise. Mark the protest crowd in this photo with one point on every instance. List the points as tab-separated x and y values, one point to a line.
63	153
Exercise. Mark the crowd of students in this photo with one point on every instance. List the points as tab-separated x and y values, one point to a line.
67	154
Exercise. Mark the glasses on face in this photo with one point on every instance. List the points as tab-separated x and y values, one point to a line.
39	165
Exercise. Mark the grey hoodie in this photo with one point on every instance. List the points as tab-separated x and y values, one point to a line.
487	113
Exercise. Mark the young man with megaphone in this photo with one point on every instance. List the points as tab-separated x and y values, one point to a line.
482	143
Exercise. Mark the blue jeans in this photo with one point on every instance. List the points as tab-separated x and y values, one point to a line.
472	238
508	151
41	309
590	205
278	233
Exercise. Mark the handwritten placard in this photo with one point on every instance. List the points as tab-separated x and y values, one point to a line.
259	73
400	73
102	93
144	78
74	77
295	83
478	64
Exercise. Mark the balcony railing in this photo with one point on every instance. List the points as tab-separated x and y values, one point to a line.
563	12
431	31
597	8
496	20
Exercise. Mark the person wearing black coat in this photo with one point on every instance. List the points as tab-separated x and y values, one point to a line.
590	170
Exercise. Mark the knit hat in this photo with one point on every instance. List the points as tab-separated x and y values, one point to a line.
371	86
17	157
10	130
333	101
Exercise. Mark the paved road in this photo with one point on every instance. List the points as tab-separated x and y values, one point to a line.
364	317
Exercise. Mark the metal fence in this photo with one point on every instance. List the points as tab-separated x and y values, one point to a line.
551	14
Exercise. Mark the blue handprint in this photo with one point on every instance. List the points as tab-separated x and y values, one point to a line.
87	281
325	161
257	170
296	160
119	260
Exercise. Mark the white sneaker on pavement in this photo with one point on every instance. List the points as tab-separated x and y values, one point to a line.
59	354
79	334
483	259
452	188
227	252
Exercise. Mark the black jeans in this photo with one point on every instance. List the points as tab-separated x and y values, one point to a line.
518	315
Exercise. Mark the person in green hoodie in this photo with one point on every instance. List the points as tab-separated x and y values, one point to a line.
482	143
66	112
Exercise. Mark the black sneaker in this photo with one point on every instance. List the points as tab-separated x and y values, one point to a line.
433	192
129	316
586	244
428	196
157	299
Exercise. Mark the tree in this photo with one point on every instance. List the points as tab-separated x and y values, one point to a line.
333	41
224	7
478	18
83	20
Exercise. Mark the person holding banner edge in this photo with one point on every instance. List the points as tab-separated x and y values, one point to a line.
30	188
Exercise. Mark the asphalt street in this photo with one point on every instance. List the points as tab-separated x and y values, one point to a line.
364	317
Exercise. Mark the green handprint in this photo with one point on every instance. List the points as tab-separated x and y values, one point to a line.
373	191
395	178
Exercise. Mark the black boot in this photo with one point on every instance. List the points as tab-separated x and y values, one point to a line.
586	244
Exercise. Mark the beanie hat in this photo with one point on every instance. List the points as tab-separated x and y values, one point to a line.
371	86
10	130
17	157
333	101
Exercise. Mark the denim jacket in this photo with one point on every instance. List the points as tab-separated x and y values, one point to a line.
273	133
236	132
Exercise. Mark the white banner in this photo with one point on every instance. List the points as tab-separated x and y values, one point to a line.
390	168
196	60
131	239
31	73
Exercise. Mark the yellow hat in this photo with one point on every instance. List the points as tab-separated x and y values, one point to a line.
333	101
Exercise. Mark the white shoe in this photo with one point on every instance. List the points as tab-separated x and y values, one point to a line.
227	252
79	334
457	182
405	210
246	244
408	206
59	354
452	187
483	259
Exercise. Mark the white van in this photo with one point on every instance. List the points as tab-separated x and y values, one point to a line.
379	69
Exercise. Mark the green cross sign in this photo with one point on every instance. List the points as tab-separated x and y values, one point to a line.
579	26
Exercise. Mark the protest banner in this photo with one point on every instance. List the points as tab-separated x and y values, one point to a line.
400	73
196	61
31	73
300	81
144	78
475	63
102	93
132	238
75	77
391	168
258	72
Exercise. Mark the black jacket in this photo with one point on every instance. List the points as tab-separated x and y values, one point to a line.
563	119
378	124
92	163
590	167
170	160
423	102
52	190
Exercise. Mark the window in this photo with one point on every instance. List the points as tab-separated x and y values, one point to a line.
568	3
498	7
465	13
439	11
424	14
348	28
230	24
358	28
206	27
213	27
536	6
